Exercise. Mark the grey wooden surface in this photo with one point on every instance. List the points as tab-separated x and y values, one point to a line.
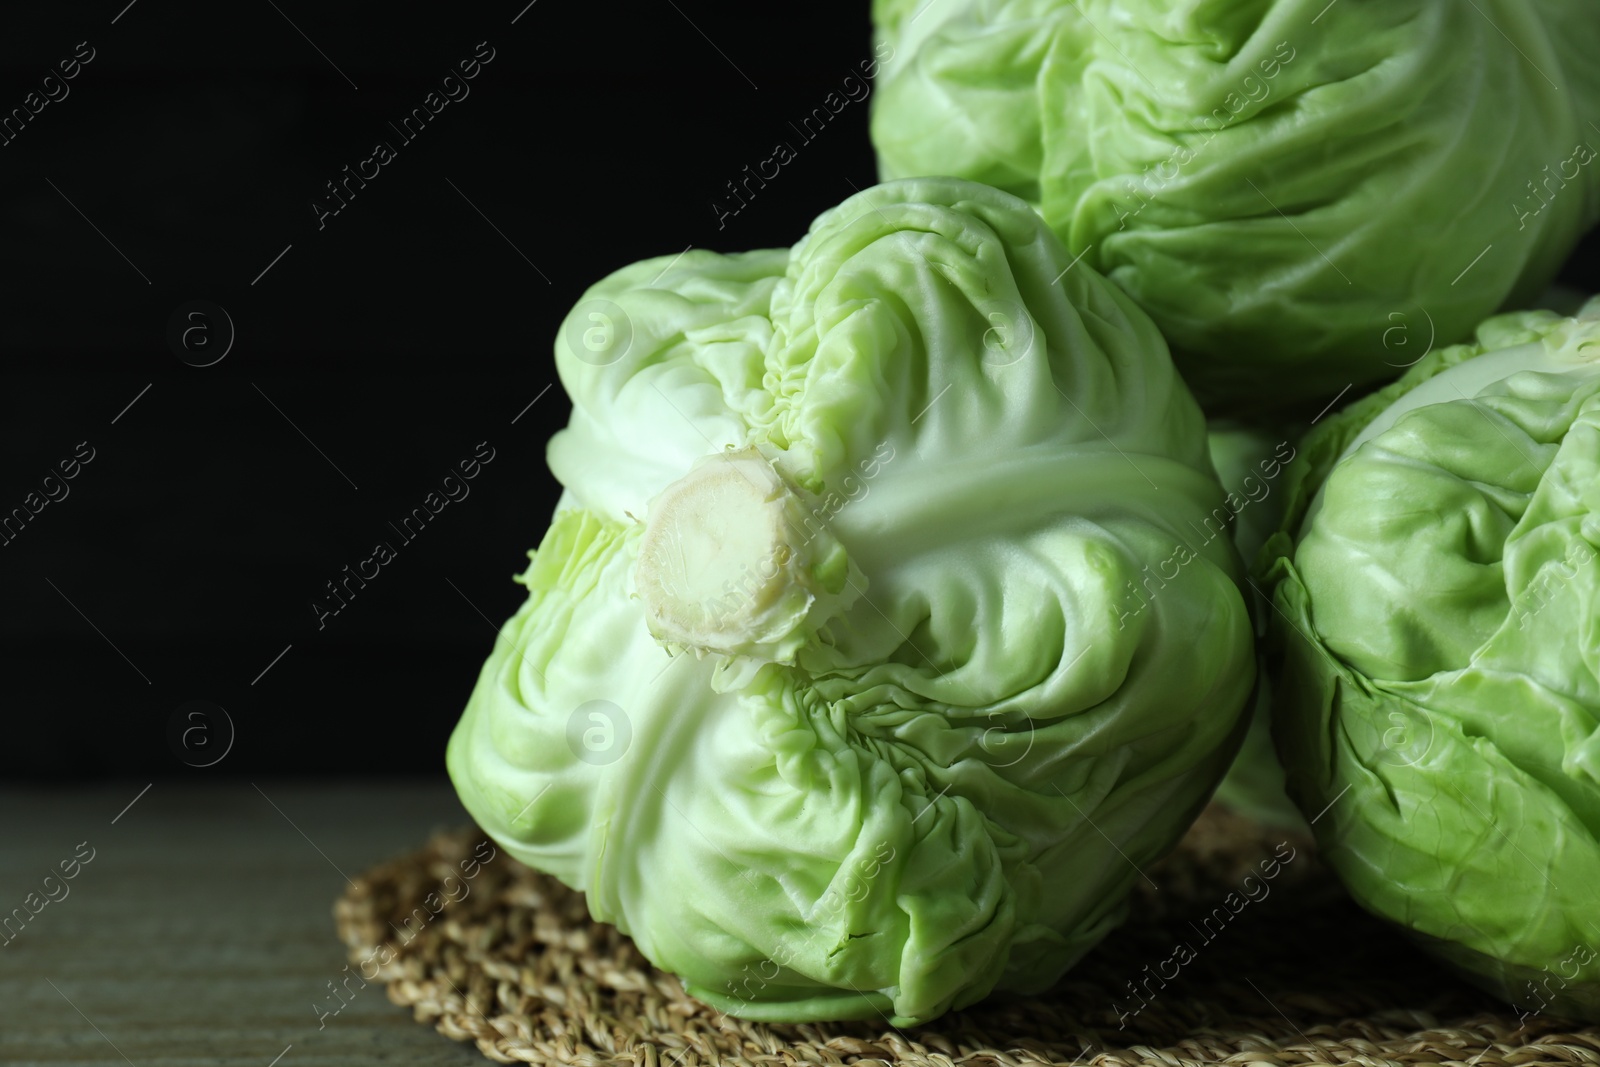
202	931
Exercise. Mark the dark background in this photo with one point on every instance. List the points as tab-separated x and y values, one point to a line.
376	353
395	338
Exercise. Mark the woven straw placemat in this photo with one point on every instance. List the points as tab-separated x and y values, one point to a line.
1286	971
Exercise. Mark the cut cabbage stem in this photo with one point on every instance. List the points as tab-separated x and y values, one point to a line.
721	565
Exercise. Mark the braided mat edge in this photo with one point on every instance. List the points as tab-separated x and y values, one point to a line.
1278	970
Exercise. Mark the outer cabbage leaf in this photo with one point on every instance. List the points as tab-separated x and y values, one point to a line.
1279	183
1439	703
878	639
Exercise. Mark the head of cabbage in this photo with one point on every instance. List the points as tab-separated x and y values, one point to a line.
887	626
1438	609
1288	187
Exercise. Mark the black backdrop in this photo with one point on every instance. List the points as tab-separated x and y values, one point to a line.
171	588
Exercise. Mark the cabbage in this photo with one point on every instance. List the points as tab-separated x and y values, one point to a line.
1281	184
1439	706
1250	462
882	634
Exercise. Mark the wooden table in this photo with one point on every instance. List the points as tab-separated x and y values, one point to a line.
201	931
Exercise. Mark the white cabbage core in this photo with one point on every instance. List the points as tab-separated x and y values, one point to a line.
720	566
